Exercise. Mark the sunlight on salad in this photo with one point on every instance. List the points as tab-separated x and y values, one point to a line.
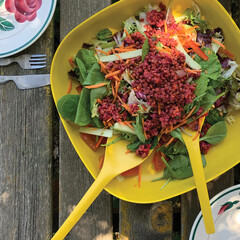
150	80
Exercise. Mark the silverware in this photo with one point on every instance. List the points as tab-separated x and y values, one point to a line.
26	61
27	81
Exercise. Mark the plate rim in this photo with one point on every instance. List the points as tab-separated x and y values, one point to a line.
212	201
36	36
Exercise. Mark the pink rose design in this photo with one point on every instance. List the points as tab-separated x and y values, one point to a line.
25	10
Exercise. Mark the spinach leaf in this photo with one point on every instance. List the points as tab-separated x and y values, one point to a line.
212	67
179	167
87	57
202	84
154	142
83	115
215	133
94	75
209	99
177	134
67	106
145	49
97	93
82	70
134	146
104	35
139	128
214	116
179	148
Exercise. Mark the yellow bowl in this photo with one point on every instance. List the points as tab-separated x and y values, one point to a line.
219	159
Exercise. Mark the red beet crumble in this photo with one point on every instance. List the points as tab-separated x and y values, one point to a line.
109	110
143	150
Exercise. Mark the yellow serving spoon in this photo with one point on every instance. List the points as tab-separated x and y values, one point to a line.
193	148
115	162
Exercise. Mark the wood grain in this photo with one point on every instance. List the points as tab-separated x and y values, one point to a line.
74	179
146	221
26	153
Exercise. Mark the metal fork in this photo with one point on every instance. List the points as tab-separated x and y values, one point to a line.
26	61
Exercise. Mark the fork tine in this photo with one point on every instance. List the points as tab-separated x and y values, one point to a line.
37	63
38	55
37	59
38	66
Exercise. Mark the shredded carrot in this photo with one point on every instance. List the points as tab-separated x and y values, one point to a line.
125	49
116	78
113	92
96	86
109	119
228	53
131	76
169	142
139	175
71	62
99	142
189	114
205	71
119	57
159	108
128	151
101	160
177	126
196	135
129	125
102	64
191	28
123	123
101	51
112	74
193	56
195	71
126	32
130	46
70	86
165	27
219	43
99	101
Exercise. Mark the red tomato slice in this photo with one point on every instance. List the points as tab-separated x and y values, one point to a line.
131	172
157	161
90	140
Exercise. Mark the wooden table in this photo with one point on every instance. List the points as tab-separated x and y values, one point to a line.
42	177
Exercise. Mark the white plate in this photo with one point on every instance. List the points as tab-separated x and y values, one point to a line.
22	23
226	215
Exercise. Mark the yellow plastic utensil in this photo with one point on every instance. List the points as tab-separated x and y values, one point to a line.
193	148
220	159
116	161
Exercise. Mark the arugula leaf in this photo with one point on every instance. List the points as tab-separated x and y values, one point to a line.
145	49
212	67
139	128
209	99
83	115
202	84
177	134
215	133
214	116
67	106
104	35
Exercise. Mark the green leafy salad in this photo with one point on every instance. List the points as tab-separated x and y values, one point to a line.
149	82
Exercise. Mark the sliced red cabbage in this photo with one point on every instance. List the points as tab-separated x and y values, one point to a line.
232	67
132	99
205	38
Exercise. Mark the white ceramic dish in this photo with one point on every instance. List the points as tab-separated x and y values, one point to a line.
226	215
22	23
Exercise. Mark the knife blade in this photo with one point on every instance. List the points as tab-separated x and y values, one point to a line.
27	81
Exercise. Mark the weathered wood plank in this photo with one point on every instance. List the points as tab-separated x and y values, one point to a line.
74	179
26	154
148	221
190	205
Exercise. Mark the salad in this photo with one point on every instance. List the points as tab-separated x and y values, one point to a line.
151	80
